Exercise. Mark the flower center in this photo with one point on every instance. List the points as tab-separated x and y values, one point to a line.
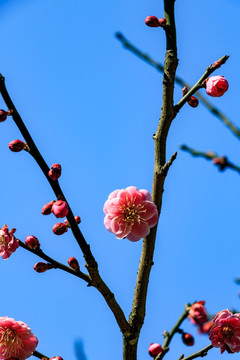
2	240
11	342
227	332
130	213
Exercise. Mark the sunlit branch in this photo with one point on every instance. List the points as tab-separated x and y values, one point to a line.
200	353
181	82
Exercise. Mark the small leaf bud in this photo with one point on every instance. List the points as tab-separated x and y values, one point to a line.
41	267
154	349
32	242
16	145
187	339
184	90
73	263
152	21
60	228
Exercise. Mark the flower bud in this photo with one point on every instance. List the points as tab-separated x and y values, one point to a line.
55	171
60	208
4	114
216	86
206	327
16	145
32	242
47	209
77	219
193	101
60	228
56	358
152	21
73	263
221	162
154	349
162	22
184	90
187	339
41	267
198	313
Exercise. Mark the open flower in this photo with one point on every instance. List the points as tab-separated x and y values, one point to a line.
16	339
130	213
8	242
225	333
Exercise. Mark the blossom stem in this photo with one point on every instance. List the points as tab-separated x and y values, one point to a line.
200	353
38	355
169	335
56	264
208	156
181	82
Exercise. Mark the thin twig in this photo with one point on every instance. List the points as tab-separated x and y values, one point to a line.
221	162
200	353
56	264
169	335
38	355
181	82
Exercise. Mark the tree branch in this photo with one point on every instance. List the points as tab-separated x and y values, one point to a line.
200	353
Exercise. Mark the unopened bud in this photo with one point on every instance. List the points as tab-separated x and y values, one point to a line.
41	267
154	349
152	21
4	114
217	64
77	219
162	22
55	171
193	101
56	358
16	145
187	339
60	208
32	242
73	263
221	162
47	209
184	90
60	228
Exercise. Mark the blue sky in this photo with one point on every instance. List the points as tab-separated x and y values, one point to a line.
92	106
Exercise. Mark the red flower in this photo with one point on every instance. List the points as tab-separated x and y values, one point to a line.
225	333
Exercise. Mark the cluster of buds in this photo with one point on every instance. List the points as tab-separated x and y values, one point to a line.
153	21
155	349
17	146
4	114
55	171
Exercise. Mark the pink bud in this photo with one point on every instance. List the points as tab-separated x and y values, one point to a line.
16	145
47	209
56	358
216	85
41	267
4	114
60	208
184	90
152	21
193	101
187	339
198	313
60	228
32	242
154	349
73	263
77	219
221	162
55	171
162	22
206	327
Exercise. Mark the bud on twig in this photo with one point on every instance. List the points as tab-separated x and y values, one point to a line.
77	219
60	208
154	349
73	263
60	228
187	339
41	267
32	242
55	171
17	145
162	22
47	209
4	114
193	101
152	21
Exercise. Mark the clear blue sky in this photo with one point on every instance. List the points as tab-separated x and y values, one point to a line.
93	107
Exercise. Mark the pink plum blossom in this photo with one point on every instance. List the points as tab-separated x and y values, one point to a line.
216	85
198	313
130	213
60	208
8	242
225	333
16	339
